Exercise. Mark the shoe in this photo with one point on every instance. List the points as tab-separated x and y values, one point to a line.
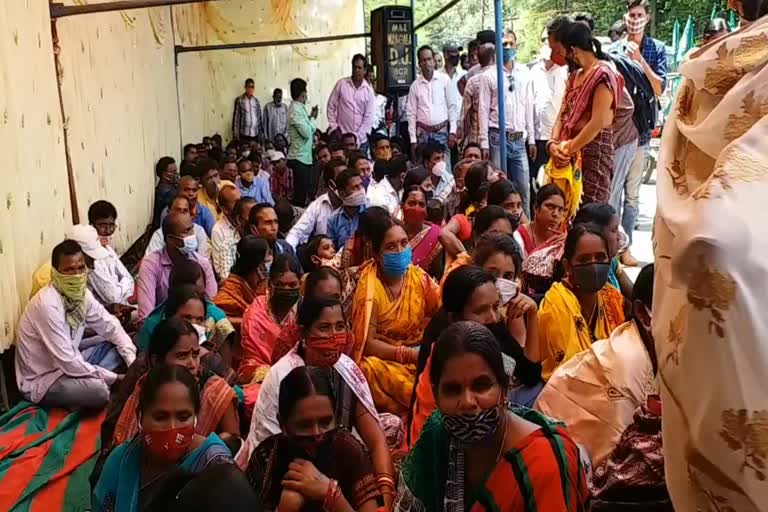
628	260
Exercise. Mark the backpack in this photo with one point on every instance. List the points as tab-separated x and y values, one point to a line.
640	89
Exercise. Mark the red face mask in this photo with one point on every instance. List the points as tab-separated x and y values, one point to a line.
171	444
324	351
413	215
558	59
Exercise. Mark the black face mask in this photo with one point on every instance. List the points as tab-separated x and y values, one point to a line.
453	60
284	298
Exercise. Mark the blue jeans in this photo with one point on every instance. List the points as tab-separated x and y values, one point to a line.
438	138
622	161
632	190
517	164
525	395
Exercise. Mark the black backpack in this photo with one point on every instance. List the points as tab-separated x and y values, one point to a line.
640	89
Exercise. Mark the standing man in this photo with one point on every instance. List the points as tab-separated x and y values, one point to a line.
301	129
518	135
246	121
431	110
652	56
453	72
276	116
352	105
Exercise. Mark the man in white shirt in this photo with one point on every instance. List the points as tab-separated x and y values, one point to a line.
53	368
432	107
179	204
352	105
453	72
386	193
314	220
112	283
518	107
225	236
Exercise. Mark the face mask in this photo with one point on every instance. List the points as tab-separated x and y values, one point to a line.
546	52
169	445
200	333
246	153
284	298
366	181
106	241
248	177
515	218
395	264
190	245
635	25
354	199
510	54
71	287
312	444
324	351
507	289
559	60
590	277
471	428
414	215
453	60
439	169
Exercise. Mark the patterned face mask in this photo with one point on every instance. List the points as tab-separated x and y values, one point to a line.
471	428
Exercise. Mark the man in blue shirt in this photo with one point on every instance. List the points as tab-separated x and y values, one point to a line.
202	216
252	186
343	222
651	54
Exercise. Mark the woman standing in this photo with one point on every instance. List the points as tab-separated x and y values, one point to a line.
424	236
476	454
168	408
247	279
393	303
584	125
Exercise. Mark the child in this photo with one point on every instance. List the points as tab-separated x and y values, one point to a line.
435	212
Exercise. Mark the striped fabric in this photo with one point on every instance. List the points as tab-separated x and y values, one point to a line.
46	458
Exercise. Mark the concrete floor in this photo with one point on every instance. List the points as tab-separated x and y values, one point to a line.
642	246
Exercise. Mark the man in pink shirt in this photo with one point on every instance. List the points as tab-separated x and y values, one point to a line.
352	105
155	268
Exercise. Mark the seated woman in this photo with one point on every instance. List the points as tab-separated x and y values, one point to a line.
423	236
476	454
583	308
216	328
542	240
357	249
393	303
325	338
263	319
175	342
168	406
320	253
247	279
503	193
469	293
604	216
314	463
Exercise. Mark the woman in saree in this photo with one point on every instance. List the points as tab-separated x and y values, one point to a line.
584	126
217	327
542	241
176	342
424	236
475	453
168	408
247	279
314	463
583	307
470	294
325	338
503	193
393	303
320	253
266	316
357	249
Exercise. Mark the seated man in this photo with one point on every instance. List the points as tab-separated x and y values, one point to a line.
225	233
596	392
180	204
202	216
263	223
155	268
343	222
52	368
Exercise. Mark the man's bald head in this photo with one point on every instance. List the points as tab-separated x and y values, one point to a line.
177	225
486	54
228	196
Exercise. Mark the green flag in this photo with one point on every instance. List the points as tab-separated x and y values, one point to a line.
676	37
714	12
733	21
686	40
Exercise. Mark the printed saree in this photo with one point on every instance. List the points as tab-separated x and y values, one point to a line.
398	322
563	330
426	247
235	295
217	326
260	331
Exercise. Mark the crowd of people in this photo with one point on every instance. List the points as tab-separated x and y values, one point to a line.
345	320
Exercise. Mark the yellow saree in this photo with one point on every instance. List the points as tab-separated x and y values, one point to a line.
397	322
564	332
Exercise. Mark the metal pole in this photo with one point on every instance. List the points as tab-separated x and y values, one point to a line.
437	13
500	89
60	10
261	44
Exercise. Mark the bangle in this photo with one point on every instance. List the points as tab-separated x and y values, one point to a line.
331	496
400	355
386	481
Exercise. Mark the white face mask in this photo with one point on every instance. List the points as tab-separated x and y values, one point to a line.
439	168
200	333
507	290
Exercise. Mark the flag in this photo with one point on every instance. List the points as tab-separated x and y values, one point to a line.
676	38
686	40
733	21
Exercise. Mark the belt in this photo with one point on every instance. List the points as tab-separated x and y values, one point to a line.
514	135
432	129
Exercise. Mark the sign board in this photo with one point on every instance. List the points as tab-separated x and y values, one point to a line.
400	50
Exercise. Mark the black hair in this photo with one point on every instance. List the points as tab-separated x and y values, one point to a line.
298	87
205	166
313	245
166	374
754	9
575	234
277	90
101	210
485	54
358	56
163	164
493	243
645	4
476	176
249	81
546	192
370	219
410	189
600	214
586	18
429	149
320	147
240	205
642	291
414	178
380	170
166	335
348	135
188	148
316	277
460	284
467	338
354	157
578	35
378	138
312	307
379	230
65	248
499	191
344	177
472	45
471	145
283	263
177	197
556	26
422	48
619	28
241	161
435	210
303	382
251	253
329	171
336	145
185	272
396	167
229	160
715	26
258	208
180	295
485	218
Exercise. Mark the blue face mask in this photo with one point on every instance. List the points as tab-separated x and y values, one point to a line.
396	263
510	54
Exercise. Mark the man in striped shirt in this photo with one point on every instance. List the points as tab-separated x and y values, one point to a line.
246	121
